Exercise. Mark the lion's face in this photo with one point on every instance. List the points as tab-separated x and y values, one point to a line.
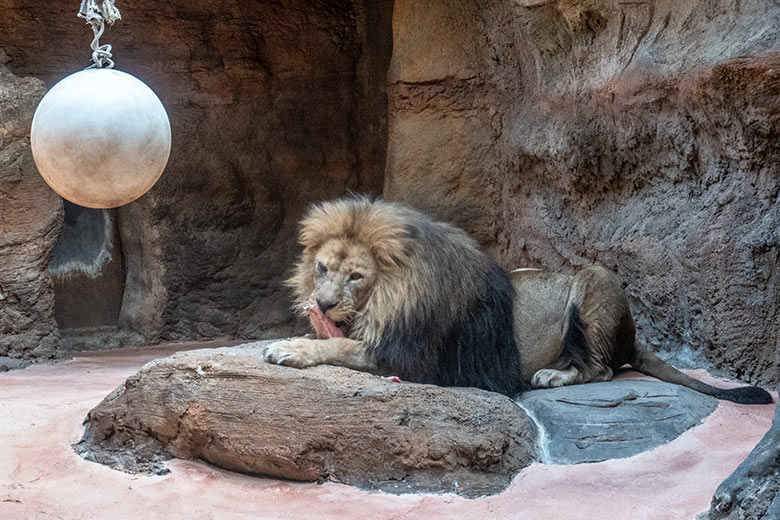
344	274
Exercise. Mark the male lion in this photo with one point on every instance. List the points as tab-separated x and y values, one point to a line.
392	291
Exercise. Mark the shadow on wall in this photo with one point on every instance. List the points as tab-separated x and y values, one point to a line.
87	268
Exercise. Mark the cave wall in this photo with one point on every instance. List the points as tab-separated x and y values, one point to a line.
273	105
639	135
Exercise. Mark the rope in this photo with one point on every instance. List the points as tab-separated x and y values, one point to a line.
97	13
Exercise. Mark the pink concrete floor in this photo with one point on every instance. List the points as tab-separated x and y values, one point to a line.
41	409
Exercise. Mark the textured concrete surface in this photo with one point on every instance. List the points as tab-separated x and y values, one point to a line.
41	477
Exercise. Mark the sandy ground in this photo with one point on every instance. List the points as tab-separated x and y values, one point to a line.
41	409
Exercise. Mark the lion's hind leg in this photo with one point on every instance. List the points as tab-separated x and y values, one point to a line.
571	367
604	375
578	362
553	377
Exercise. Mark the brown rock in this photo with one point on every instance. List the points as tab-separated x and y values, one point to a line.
641	136
228	407
30	221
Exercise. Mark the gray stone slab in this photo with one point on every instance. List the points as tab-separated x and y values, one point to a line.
600	421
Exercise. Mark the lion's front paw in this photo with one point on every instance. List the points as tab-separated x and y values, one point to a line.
291	353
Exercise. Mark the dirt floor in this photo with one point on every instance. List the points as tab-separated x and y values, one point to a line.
41	409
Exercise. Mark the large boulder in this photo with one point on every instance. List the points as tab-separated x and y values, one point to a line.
30	221
230	408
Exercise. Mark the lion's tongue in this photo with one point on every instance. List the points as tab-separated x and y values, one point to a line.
325	327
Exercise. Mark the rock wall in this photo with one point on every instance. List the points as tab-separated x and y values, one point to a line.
30	221
639	135
273	105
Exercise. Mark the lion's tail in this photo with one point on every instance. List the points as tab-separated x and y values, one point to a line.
648	363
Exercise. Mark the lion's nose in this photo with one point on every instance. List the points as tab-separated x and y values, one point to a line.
325	306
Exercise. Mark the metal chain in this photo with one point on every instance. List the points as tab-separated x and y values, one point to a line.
97	13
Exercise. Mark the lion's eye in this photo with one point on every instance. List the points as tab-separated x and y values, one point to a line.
321	269
355	276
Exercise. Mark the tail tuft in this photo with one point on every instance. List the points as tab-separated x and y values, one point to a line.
745	395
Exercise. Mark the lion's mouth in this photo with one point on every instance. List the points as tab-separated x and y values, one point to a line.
324	326
343	326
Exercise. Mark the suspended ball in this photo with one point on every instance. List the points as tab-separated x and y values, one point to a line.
100	138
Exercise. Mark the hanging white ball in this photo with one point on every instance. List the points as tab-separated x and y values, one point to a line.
100	138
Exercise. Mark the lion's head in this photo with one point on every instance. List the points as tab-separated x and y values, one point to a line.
354	252
419	293
345	274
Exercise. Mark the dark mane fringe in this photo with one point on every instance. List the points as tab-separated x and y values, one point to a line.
481	350
474	346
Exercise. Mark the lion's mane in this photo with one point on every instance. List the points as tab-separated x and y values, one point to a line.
440	311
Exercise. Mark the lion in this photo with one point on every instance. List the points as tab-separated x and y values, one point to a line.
394	292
